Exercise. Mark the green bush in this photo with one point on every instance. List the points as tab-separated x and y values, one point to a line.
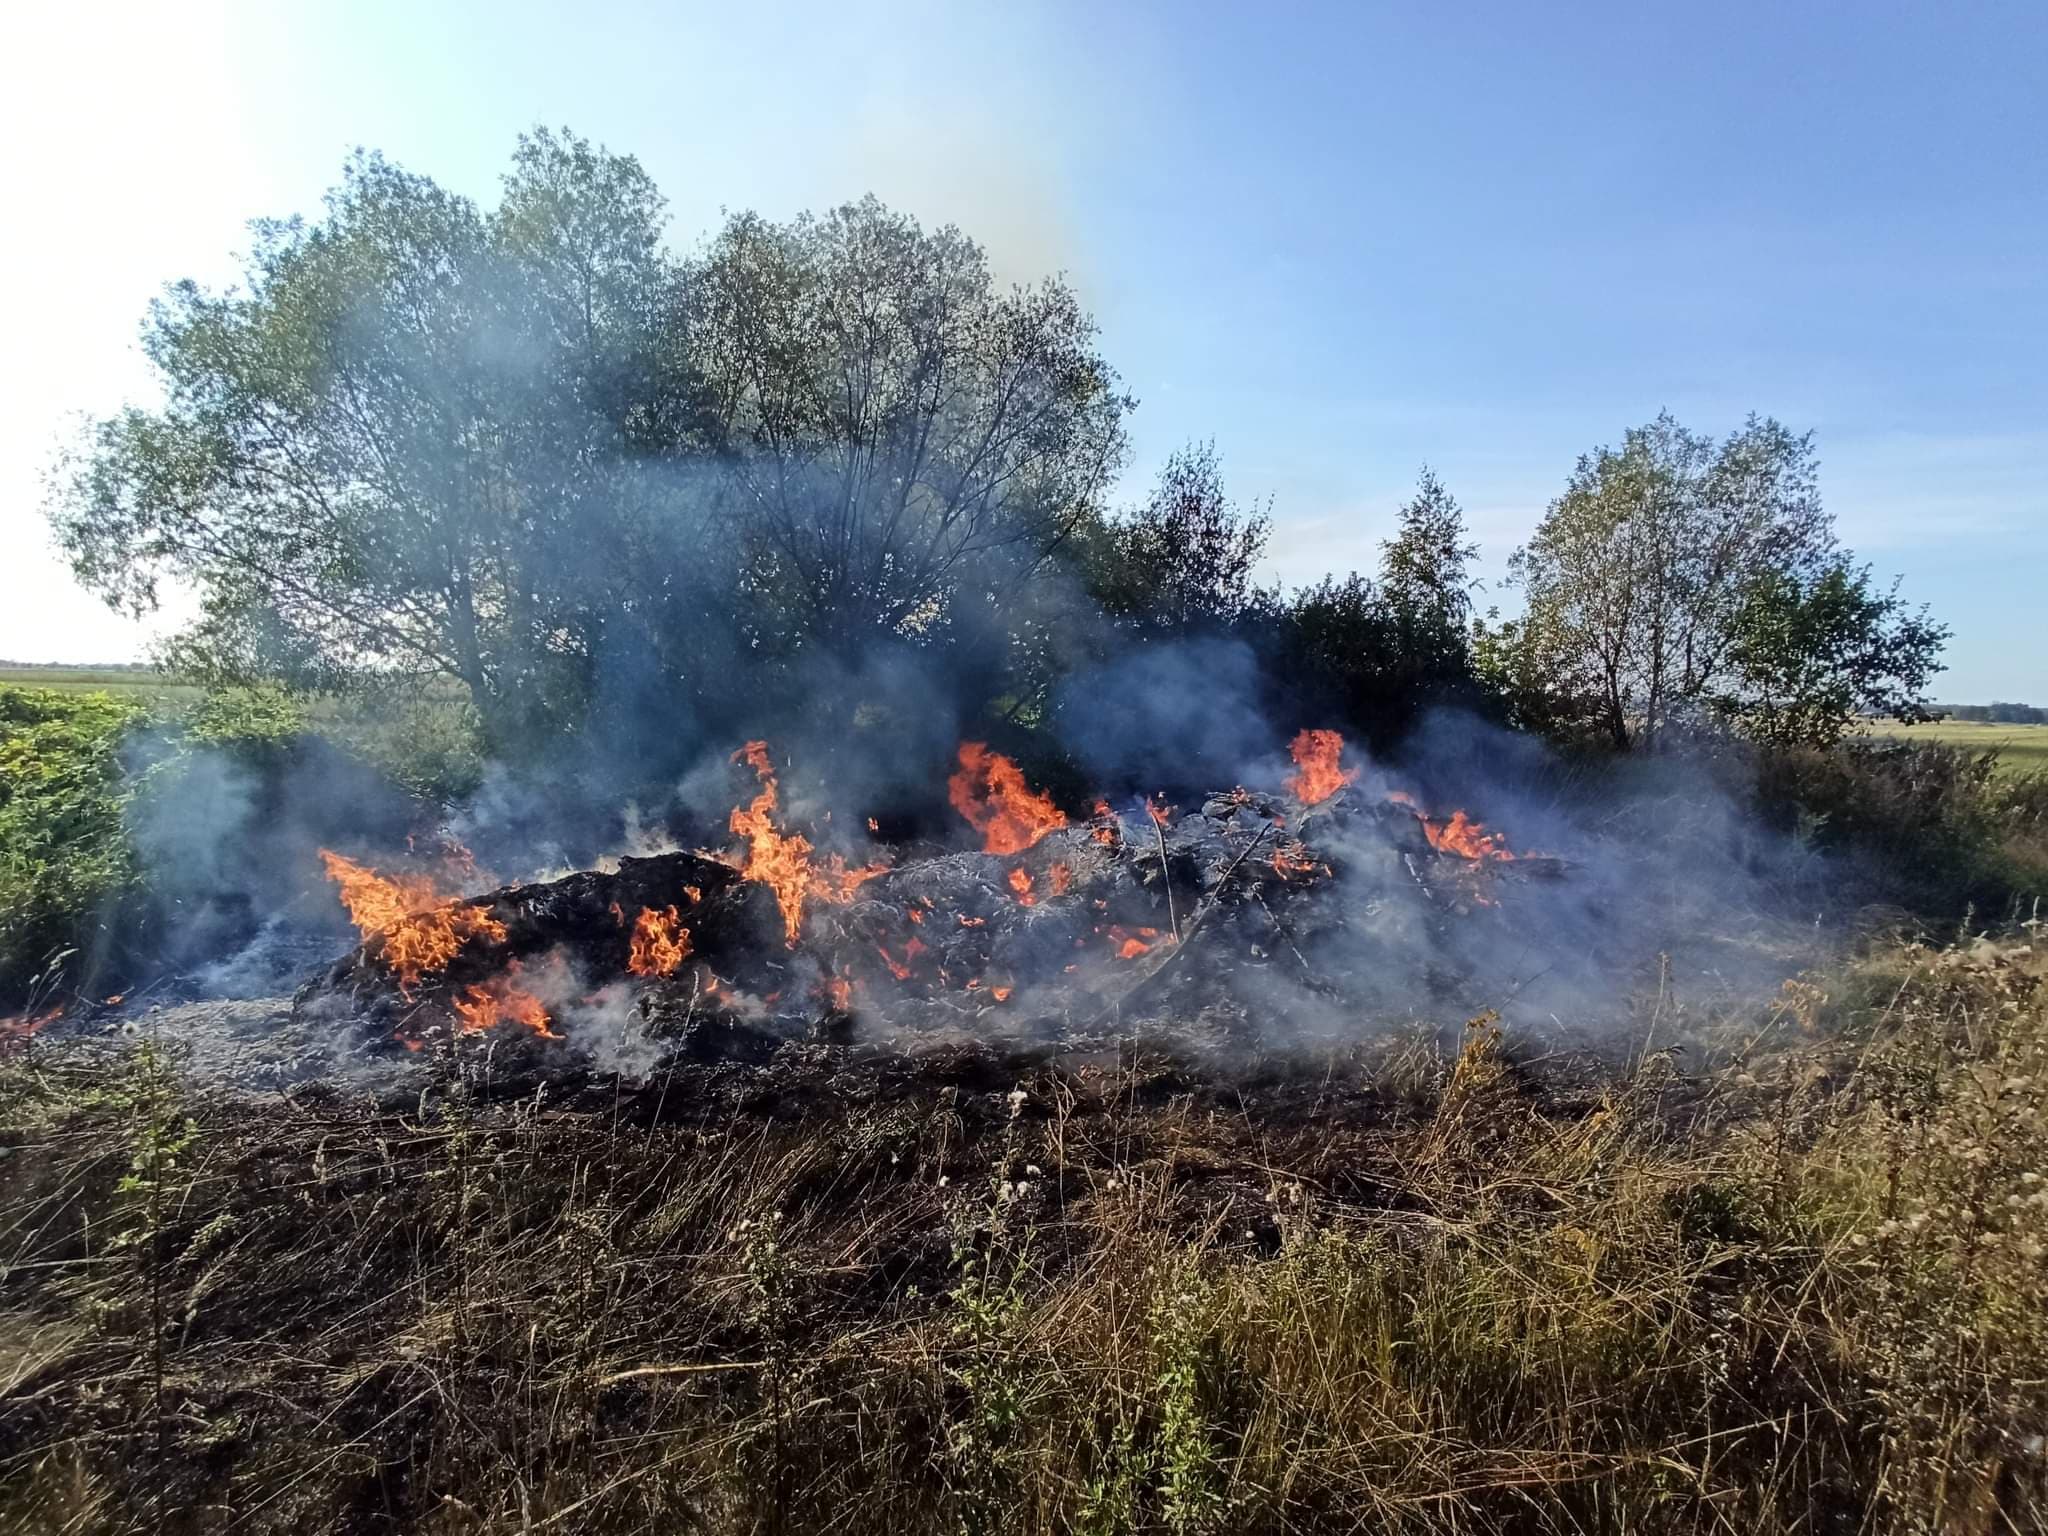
1948	835
65	860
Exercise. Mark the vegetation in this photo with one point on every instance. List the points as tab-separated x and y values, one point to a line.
77	770
527	452
2021	749
1794	1286
1680	580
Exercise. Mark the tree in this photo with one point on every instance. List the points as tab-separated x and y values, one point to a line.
1425	577
1665	585
899	442
1808	656
1183	562
400	447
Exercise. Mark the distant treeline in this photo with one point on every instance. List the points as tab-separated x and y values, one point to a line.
1998	713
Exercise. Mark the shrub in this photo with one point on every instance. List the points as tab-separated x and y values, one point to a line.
65	860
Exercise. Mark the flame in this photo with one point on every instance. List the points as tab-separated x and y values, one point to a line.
1316	755
1131	943
1107	826
900	969
989	791
500	1001
1465	837
660	942
1001	994
694	893
1020	882
1293	859
117	999
1062	879
972	922
23	1026
1459	834
422	930
837	992
782	860
1160	812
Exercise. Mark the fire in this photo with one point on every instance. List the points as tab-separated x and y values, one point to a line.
837	992
1160	812
1020	882
23	1026
502	1001
660	942
900	969
422	930
989	791
1293	859
1062	879
1000	994
782	860
1318	776
1131	943
1465	837
1107	825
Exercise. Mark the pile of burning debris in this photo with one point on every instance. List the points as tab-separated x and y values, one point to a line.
1053	931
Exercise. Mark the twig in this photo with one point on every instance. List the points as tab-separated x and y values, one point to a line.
1165	874
1180	947
639	1371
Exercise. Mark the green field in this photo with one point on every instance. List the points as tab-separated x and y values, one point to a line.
116	680
2021	748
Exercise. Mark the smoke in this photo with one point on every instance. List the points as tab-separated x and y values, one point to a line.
1178	715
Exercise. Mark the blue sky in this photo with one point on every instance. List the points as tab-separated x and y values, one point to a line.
1342	240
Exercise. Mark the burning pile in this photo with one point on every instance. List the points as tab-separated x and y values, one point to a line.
1059	930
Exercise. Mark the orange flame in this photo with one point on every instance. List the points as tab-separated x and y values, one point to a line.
1001	994
1160	812
782	860
422	930
1293	859
900	969
837	992
1062	879
1465	837
1318	776
501	1001
1020	882
23	1026
660	942
989	791
1131	943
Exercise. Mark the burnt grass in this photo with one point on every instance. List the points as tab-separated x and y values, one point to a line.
811	1284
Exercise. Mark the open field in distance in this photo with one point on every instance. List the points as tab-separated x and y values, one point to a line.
2021	748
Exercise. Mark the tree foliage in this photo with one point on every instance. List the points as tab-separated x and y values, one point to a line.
517	449
1183	562
1679	581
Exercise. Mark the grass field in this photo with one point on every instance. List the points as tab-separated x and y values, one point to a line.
2021	748
115	680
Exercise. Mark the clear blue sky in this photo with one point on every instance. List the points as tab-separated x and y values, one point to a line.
1344	240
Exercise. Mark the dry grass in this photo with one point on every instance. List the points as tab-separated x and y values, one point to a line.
1429	1290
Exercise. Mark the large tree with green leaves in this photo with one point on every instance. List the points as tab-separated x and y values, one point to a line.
1680	580
400	447
899	442
526	450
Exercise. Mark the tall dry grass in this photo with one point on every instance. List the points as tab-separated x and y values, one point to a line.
1789	1278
